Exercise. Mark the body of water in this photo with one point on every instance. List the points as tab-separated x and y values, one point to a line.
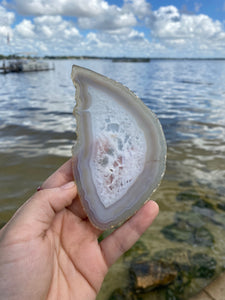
37	131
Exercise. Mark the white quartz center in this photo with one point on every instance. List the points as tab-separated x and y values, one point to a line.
119	147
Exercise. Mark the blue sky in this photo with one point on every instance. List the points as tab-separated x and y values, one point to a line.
114	27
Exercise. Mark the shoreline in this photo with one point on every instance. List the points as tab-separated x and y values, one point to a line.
114	59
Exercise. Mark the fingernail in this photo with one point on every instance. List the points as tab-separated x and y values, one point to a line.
68	185
39	188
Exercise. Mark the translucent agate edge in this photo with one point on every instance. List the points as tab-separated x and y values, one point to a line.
103	215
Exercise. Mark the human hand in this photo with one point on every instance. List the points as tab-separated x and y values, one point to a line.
50	250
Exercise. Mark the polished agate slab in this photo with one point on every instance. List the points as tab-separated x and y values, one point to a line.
120	153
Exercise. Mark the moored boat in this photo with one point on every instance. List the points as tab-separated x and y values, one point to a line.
25	65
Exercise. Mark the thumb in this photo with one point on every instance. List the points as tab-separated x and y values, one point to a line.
42	207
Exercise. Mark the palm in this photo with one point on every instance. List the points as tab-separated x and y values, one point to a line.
77	257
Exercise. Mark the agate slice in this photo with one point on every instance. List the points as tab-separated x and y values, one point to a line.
120	153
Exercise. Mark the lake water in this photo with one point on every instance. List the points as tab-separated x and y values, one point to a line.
37	130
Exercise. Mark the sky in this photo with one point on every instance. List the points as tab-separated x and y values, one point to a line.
112	28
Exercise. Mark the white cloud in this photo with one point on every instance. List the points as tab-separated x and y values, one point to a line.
55	27
48	20
168	23
140	8
25	29
78	8
189	32
105	44
6	18
91	14
57	36
44	35
113	19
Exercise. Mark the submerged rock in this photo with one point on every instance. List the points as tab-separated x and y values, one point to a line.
189	266
189	228
195	236
169	273
202	265
122	294
186	183
221	206
203	204
197	265
189	195
146	276
120	153
207	213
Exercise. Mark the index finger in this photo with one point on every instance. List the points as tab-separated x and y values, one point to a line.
60	177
